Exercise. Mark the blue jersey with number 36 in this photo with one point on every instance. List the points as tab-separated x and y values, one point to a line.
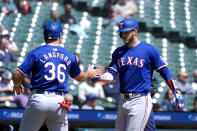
135	66
50	67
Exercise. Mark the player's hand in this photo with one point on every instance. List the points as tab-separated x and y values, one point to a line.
66	105
178	98
94	73
18	89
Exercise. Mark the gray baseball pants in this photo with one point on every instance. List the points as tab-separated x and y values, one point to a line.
133	113
44	108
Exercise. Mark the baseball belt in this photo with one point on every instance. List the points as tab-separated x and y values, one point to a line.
37	91
133	95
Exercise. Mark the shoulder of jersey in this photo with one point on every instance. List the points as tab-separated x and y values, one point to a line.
121	48
43	47
39	48
66	51
147	45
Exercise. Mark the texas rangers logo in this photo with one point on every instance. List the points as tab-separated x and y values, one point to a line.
120	25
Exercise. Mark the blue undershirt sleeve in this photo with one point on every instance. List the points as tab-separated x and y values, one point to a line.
165	73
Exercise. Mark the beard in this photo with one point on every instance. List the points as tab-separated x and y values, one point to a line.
129	39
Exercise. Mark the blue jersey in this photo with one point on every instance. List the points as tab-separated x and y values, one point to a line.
50	67
135	67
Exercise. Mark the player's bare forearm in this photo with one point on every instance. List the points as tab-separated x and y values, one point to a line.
82	77
86	75
90	74
17	78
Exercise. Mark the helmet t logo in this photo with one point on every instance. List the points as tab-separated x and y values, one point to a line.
120	25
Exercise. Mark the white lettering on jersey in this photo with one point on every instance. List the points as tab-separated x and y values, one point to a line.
46	57
50	55
123	61
68	63
42	61
62	56
135	61
58	55
66	58
61	68
130	60
141	64
54	54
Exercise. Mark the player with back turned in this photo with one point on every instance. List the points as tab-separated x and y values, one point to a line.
135	62
50	66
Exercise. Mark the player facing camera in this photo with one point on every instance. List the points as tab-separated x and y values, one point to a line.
52	32
128	29
134	63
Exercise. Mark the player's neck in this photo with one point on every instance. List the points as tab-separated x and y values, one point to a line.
133	43
55	43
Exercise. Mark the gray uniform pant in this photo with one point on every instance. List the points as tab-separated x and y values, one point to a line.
44	108
133	113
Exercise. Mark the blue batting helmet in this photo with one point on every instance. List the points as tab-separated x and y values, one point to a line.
52	30
128	24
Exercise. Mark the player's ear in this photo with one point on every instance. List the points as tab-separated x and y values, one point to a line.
135	30
60	37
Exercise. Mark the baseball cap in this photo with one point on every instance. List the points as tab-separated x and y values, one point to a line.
128	24
7	75
91	96
52	30
183	73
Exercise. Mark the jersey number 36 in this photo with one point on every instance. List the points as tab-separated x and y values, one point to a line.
60	75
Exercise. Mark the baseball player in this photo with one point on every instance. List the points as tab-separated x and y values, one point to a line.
135	62
50	66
